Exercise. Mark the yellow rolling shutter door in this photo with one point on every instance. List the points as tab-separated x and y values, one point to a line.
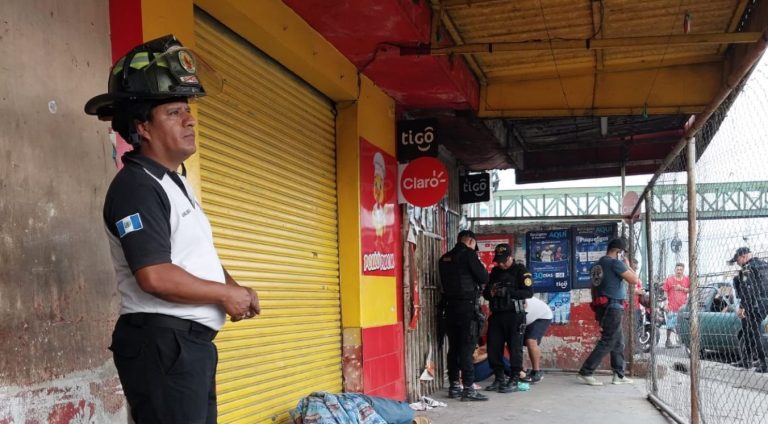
267	154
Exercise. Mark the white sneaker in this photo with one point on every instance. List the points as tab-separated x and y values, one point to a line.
590	380
621	380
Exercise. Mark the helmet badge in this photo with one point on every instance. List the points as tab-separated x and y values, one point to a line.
187	62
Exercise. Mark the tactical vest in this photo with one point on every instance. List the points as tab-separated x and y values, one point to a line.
455	275
501	295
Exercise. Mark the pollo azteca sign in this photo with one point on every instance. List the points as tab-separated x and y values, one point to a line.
378	185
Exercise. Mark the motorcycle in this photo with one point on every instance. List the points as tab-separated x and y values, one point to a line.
646	324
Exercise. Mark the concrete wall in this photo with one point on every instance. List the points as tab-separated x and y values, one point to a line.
58	299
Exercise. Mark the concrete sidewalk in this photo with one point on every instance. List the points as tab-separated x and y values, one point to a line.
558	398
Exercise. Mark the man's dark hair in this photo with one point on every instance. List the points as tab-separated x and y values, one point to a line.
126	113
679	264
617	243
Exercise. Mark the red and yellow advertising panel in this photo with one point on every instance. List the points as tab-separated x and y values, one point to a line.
378	191
487	243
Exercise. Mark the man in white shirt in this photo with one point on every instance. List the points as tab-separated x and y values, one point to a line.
538	317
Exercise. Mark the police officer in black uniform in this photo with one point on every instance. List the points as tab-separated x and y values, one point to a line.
509	285
752	290
462	275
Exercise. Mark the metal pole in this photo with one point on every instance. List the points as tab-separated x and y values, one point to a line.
693	292
663	406
651	291
623	193
632	307
601	217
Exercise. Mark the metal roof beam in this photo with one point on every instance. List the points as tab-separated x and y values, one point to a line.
664	91
589	44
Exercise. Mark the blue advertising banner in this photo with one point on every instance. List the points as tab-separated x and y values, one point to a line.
549	260
590	244
560	304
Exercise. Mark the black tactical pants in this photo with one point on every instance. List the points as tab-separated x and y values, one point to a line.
752	339
462	339
505	328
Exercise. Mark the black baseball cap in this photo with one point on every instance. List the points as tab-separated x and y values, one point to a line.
502	252
617	243
739	252
465	233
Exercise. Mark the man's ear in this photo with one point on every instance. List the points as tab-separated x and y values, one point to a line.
142	129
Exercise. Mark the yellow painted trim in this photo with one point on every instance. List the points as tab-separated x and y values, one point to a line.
159	18
377	117
679	89
348	192
280	33
373	118
379	299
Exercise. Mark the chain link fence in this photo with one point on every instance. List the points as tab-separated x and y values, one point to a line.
693	309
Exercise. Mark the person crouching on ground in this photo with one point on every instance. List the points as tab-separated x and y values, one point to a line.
538	317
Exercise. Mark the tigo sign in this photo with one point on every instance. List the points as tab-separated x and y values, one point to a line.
424	182
416	138
475	188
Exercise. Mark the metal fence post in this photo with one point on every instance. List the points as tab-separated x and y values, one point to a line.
693	290
651	289
632	306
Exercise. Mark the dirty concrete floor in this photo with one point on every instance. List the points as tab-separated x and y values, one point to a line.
558	398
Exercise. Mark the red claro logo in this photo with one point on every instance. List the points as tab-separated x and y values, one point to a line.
424	182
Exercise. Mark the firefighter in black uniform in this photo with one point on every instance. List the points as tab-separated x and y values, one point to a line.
510	284
462	275
752	290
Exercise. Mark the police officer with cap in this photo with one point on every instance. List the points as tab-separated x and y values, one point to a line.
509	285
752	289
174	290
461	276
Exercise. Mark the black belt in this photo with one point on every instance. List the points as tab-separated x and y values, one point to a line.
166	321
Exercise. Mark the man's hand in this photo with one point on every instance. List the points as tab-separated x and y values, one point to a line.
253	305
255	308
237	303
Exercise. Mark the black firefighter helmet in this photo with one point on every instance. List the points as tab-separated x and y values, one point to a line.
158	70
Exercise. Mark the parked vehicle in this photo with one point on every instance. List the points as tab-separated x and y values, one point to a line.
719	327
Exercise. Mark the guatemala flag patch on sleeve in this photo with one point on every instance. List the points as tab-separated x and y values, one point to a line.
129	224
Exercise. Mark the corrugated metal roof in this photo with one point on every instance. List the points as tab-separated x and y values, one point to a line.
536	20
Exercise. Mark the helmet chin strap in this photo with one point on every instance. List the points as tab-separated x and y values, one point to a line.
133	137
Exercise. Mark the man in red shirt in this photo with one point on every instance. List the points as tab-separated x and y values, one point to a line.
676	287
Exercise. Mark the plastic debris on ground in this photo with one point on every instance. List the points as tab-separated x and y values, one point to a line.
426	403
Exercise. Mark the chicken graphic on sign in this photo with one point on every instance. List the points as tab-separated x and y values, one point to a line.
378	171
379	216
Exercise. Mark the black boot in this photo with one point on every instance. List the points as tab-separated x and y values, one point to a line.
497	383
510	385
455	390
762	368
471	395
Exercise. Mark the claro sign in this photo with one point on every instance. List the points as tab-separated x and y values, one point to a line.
416	138
423	182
